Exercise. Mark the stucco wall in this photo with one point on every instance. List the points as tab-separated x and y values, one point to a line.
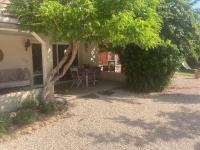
11	101
88	54
15	54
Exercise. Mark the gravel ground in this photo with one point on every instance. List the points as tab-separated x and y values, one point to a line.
120	120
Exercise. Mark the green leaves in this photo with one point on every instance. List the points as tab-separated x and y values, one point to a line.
180	25
152	70
124	29
27	13
130	21
113	21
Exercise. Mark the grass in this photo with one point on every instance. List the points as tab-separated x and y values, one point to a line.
184	73
5	122
26	116
30	111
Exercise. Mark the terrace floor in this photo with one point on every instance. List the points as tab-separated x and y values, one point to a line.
65	91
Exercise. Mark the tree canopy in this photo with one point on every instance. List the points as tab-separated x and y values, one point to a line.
153	70
181	25
111	21
118	22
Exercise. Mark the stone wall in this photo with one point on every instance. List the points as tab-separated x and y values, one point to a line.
11	101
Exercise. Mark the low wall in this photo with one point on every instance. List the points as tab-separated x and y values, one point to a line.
113	76
11	101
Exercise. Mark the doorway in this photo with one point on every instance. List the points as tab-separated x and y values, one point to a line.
37	64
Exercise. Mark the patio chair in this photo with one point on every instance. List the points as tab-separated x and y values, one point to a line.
77	77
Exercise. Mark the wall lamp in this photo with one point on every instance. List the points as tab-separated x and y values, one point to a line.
27	44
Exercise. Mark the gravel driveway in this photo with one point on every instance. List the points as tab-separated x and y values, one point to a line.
120	120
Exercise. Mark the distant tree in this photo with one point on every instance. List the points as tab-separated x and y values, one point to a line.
181	25
103	21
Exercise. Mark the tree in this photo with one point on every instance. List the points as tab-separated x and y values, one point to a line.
181	25
152	70
103	21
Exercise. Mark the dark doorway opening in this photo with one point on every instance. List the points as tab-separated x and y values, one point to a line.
37	64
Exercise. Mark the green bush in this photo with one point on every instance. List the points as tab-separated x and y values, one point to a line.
29	103
5	122
149	70
48	107
26	116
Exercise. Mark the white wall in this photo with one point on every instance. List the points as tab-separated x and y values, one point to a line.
15	54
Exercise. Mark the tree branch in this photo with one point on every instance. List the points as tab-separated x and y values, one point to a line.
62	62
69	63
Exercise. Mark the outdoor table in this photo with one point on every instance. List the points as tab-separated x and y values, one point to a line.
90	71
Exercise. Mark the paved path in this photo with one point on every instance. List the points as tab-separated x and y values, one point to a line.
120	120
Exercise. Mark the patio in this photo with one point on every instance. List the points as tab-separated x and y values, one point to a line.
11	98
65	91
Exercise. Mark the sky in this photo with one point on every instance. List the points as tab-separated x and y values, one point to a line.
197	5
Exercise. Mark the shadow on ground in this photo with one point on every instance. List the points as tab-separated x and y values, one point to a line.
197	146
106	96
174	98
182	124
133	98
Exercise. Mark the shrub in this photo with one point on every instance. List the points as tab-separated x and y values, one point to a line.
48	107
26	116
149	70
29	103
4	123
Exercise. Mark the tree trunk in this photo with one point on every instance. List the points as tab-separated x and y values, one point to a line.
60	70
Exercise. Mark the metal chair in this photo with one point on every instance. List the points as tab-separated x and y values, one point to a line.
77	77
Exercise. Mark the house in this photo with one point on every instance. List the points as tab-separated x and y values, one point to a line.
27	58
33	52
